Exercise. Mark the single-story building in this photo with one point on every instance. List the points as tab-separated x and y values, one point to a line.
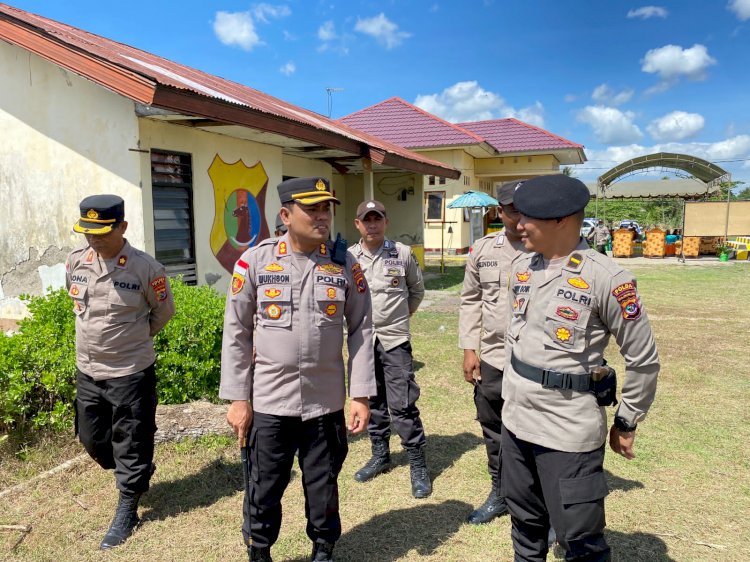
195	157
487	153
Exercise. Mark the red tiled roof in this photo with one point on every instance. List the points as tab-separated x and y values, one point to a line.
512	135
407	125
150	79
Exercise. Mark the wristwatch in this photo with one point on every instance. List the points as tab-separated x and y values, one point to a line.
623	425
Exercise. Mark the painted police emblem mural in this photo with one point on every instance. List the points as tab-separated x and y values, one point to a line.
239	209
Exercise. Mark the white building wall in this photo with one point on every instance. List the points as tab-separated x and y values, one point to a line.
63	138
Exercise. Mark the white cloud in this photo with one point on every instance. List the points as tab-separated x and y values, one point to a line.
382	29
288	69
263	12
468	101
604	95
647	12
236	29
610	125
675	126
570	98
327	31
741	8
672	61
737	147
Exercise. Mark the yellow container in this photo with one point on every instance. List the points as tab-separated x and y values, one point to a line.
418	250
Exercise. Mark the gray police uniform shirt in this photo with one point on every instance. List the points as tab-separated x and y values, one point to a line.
482	314
563	322
295	321
120	305
396	289
600	235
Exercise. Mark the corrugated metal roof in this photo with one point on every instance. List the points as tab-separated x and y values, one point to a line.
407	125
135	64
512	135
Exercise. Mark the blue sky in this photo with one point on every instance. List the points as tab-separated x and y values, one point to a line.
621	78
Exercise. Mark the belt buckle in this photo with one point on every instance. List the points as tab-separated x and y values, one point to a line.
553	379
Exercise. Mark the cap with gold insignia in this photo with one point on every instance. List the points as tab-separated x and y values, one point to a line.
307	191
370	206
99	213
506	191
551	197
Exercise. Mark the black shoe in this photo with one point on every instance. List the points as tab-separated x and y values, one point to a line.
494	506
259	554
322	552
124	522
421	487
379	462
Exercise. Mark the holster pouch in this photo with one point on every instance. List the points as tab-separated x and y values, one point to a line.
604	385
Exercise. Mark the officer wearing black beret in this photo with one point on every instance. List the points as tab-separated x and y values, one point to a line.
281	228
565	303
121	298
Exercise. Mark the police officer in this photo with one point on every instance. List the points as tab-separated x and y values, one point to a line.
481	328
599	235
280	226
396	287
567	300
121	298
288	298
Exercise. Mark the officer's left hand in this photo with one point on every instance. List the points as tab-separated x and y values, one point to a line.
359	414
621	442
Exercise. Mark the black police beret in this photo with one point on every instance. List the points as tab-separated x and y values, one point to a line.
307	191
99	213
551	197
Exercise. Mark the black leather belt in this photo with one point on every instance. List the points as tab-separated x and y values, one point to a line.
551	379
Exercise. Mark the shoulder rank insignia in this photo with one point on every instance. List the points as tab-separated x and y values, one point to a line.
323	250
500	240
574	261
282	248
122	260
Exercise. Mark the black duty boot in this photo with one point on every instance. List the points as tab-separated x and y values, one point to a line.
259	554
125	521
379	462
322	552
421	487
493	506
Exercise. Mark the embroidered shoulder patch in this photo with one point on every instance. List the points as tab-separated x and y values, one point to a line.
159	285
359	278
238	281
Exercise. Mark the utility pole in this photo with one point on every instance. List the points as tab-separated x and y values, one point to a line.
330	91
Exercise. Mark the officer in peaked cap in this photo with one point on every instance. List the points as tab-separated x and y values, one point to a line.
121	298
288	299
566	302
397	289
481	332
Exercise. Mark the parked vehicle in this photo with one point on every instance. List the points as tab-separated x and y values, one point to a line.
632	224
587	226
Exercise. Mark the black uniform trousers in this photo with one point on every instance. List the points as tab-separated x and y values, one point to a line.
322	447
397	394
543	486
489	402
116	423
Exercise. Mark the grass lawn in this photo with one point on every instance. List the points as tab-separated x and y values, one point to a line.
686	496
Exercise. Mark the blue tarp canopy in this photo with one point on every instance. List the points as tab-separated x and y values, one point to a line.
473	199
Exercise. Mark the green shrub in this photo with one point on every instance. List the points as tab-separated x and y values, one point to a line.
37	364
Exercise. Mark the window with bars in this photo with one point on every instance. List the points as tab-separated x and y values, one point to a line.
172	192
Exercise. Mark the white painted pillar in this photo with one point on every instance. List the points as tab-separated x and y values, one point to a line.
369	183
